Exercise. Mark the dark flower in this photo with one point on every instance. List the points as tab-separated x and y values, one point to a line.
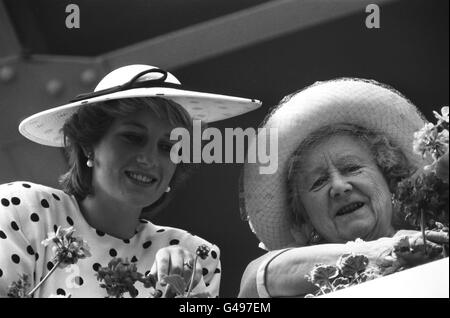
19	288
427	194
202	251
341	283
120	276
322	274
351	264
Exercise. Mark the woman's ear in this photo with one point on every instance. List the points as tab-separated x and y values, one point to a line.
301	226
87	151
300	234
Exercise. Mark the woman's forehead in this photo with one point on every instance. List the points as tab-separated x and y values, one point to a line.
144	119
336	150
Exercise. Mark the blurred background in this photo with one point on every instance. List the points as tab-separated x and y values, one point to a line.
251	48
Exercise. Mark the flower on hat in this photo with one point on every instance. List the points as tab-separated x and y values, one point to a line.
443	116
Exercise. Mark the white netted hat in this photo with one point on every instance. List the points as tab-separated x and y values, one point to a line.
135	81
366	103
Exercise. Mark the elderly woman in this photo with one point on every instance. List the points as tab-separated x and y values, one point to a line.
343	146
120	168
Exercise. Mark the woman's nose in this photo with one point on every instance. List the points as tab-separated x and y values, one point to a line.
340	186
145	160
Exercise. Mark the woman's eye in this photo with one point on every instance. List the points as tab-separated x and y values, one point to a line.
318	183
166	147
133	138
353	168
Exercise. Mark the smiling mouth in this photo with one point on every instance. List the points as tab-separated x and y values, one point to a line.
140	178
349	208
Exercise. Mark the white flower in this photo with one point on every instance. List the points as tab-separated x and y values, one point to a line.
443	117
68	249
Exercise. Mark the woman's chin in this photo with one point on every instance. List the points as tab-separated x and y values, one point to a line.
141	200
361	228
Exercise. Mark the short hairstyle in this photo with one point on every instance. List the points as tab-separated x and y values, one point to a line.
85	128
390	159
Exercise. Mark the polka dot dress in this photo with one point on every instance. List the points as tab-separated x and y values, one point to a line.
29	212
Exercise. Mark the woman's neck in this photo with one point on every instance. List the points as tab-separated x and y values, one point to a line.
107	215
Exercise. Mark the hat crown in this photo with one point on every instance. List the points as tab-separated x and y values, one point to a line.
124	74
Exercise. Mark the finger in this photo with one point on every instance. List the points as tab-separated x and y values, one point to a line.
176	262
153	269
188	268
198	273
417	244
433	249
405	233
413	258
161	265
437	237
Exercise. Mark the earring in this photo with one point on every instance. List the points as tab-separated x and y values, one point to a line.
168	189
314	237
90	161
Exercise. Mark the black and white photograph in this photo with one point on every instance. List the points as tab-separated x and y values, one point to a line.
245	150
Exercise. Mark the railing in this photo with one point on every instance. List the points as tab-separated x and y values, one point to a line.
425	281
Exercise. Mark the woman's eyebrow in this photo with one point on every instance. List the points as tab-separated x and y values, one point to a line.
312	173
167	137
349	159
134	124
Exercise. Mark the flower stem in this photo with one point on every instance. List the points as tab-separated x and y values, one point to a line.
330	286
166	292
422	228
191	282
45	278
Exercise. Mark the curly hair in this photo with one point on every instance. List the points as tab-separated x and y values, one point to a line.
90	123
390	159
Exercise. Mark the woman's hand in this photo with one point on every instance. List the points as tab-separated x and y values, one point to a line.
408	248
175	260
412	249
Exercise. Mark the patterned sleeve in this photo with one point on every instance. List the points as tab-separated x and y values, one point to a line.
17	253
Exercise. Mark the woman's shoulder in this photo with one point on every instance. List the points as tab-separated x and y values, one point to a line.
29	189
174	236
28	186
28	195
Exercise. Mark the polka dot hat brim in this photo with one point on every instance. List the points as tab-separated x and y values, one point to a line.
45	127
361	102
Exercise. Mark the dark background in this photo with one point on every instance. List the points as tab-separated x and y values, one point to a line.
409	52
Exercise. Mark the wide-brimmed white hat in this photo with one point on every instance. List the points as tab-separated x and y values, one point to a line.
377	107
135	81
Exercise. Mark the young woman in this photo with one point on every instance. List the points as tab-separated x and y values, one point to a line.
118	144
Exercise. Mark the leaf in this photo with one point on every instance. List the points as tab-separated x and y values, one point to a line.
177	282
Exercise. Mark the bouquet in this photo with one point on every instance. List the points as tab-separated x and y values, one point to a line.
423	198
